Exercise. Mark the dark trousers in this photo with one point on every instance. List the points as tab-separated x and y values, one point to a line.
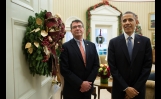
84	97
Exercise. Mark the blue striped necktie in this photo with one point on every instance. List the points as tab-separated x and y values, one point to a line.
129	46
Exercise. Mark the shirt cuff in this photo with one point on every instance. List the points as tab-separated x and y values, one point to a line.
125	89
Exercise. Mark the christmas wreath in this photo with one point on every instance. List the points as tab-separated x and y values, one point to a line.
42	42
100	39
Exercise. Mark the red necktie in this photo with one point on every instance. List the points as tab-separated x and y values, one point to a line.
82	52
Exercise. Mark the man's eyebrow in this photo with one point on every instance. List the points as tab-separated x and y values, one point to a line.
128	19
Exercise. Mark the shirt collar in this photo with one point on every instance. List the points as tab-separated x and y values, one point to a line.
126	36
77	40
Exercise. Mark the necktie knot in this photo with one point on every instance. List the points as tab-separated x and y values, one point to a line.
129	38
80	42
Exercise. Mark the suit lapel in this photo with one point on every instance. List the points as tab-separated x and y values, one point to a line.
124	47
137	43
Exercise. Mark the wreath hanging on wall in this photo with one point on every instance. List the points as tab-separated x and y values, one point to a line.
42	43
100	39
88	17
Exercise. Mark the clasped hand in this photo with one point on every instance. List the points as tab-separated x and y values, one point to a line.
85	86
131	93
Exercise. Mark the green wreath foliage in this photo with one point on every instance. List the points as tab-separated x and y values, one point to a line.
100	39
36	65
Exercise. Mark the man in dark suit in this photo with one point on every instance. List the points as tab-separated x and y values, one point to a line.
79	72
129	72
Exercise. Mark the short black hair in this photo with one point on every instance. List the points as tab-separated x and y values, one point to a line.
129	12
76	20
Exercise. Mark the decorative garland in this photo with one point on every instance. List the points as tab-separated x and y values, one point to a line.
88	17
138	26
42	43
138	29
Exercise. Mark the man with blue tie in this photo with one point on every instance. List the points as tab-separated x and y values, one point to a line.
130	60
79	63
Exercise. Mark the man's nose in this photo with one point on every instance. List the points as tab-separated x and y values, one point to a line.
77	27
127	22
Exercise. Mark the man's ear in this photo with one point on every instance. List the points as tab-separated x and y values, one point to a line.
137	21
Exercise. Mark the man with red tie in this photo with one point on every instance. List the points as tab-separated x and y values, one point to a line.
79	63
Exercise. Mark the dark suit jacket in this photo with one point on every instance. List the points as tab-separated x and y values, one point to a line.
73	69
132	73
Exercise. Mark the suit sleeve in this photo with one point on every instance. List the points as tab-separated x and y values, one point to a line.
146	64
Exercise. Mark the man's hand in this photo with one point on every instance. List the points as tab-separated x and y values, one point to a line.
131	93
127	97
85	86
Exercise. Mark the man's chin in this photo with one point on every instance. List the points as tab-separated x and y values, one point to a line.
79	34
128	32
